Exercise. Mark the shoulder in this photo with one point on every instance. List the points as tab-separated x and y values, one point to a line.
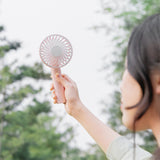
122	149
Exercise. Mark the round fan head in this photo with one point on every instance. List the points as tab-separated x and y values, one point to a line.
55	51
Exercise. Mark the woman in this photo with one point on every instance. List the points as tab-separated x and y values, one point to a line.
140	92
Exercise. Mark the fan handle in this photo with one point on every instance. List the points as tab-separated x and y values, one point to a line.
59	89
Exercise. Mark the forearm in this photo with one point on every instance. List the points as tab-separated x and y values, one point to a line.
102	134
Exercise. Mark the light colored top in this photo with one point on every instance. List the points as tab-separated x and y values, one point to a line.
122	149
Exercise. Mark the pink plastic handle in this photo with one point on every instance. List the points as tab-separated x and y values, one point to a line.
59	89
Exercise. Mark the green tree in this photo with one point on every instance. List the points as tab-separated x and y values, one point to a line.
25	133
125	16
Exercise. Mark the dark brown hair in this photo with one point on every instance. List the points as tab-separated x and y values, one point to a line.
143	56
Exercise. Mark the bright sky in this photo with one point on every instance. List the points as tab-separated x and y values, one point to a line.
30	21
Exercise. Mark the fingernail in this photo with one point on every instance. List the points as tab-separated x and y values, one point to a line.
57	78
57	74
51	87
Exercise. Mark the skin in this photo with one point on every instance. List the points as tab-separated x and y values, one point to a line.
131	94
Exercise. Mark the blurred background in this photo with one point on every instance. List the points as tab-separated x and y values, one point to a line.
31	126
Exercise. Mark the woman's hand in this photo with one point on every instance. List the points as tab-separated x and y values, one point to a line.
72	100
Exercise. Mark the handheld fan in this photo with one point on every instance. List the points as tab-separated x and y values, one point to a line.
56	51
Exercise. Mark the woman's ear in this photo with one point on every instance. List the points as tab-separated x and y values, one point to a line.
155	80
157	84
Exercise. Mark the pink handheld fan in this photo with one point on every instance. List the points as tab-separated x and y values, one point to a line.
56	51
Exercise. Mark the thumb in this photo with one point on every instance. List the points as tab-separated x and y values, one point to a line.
62	80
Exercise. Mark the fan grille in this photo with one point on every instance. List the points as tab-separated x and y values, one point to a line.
55	51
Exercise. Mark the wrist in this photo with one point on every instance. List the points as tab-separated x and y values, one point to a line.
79	109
